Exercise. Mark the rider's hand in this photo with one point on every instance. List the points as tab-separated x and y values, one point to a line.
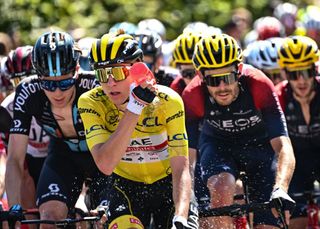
15	215
140	97
282	202
179	222
102	212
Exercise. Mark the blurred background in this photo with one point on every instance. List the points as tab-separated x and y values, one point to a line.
25	20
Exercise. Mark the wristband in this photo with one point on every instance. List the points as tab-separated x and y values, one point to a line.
181	219
134	105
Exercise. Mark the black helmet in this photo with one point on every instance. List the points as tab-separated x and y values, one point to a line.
55	54
149	41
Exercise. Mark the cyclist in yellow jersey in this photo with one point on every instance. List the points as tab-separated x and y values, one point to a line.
138	136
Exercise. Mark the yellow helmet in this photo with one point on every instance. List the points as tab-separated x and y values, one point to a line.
216	51
115	48
298	51
184	47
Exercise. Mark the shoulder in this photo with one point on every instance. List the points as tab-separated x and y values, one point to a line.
87	81
193	97
282	87
29	88
167	94
95	95
8	100
254	77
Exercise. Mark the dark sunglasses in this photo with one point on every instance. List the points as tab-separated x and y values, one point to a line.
273	75
305	73
63	85
188	73
227	78
117	73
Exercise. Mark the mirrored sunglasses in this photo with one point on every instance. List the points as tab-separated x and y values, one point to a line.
215	79
117	73
63	85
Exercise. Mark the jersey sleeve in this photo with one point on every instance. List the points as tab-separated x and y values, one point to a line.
90	109
193	98
175	124
281	92
266	100
25	103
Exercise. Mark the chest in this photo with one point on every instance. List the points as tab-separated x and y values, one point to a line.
65	119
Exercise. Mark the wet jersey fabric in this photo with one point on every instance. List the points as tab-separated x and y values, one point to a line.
255	115
305	138
31	101
38	139
159	134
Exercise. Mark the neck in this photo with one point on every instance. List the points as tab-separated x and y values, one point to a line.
305	99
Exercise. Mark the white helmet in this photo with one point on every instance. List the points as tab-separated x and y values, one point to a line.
153	25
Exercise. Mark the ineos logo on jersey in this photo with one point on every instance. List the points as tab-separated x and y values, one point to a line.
235	124
54	188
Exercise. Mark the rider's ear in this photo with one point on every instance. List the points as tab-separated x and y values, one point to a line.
240	66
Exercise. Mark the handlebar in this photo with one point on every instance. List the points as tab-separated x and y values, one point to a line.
235	210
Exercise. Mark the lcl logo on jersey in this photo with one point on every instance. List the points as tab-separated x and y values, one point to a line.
54	188
180	136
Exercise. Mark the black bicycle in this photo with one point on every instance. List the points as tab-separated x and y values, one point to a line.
64	223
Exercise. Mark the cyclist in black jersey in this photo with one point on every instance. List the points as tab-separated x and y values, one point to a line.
243	129
51	98
300	99
150	43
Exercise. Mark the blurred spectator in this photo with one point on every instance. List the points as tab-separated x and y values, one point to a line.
6	44
286	13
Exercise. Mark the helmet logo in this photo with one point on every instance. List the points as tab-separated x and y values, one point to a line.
52	46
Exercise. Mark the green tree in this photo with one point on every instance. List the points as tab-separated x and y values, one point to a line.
27	19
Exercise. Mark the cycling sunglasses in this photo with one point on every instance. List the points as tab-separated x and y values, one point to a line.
117	73
63	85
188	73
273	75
304	73
214	79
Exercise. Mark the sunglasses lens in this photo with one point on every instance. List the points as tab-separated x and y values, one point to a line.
305	74
189	73
273	76
66	84
117	73
63	85
214	80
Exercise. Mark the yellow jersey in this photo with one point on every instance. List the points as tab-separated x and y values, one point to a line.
159	134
